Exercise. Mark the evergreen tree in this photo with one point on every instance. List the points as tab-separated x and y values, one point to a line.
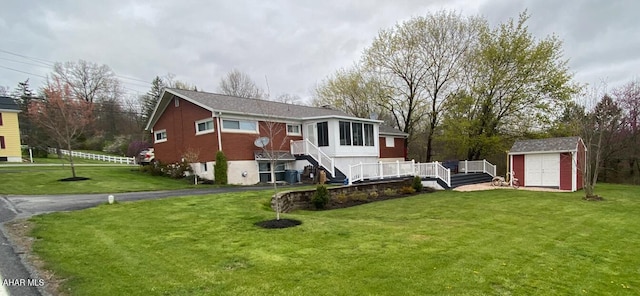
152	97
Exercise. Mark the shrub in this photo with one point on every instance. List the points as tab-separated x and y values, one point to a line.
220	168
117	146
359	196
341	197
155	169
407	190
390	192
178	170
320	197
417	184
373	194
135	147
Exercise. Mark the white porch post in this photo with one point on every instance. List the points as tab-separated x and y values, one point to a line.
435	168
484	165
413	167
361	171
466	166
350	177
380	169
398	168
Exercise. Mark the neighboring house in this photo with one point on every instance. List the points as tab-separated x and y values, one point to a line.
202	123
555	162
9	131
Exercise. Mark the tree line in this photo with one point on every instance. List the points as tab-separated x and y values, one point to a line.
462	89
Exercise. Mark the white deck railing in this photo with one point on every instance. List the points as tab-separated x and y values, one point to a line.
477	166
383	170
305	147
434	170
380	170
107	158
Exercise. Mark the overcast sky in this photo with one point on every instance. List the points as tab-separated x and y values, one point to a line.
291	44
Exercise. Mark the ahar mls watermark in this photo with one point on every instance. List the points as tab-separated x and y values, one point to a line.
23	282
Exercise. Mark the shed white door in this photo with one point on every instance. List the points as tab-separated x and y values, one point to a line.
542	170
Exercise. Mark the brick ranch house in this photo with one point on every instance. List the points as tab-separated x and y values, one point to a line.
191	121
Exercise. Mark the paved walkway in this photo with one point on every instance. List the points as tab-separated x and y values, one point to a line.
13	265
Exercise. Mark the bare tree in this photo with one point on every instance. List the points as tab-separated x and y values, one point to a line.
87	81
289	99
239	84
63	115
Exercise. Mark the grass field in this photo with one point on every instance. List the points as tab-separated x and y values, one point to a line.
44	180
497	242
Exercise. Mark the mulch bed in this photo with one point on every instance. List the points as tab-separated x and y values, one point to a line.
593	198
70	179
277	224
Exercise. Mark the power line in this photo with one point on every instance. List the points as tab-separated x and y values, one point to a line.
37	60
26	63
22	72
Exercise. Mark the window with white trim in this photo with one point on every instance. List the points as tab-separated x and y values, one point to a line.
204	126
356	134
160	136
390	142
293	129
230	125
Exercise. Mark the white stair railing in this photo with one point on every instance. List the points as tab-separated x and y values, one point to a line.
305	147
434	170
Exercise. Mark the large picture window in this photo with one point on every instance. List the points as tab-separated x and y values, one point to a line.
323	134
240	125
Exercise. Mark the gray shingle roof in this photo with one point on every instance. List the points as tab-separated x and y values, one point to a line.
545	145
387	130
233	104
7	103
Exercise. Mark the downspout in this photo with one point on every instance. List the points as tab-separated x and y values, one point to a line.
218	131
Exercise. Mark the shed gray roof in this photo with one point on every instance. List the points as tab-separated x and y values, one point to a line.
545	145
387	130
233	104
7	103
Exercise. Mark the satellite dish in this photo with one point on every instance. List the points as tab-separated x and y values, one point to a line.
261	142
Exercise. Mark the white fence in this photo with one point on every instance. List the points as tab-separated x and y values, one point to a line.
382	170
477	166
106	158
307	148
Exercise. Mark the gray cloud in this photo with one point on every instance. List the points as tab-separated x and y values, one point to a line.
294	44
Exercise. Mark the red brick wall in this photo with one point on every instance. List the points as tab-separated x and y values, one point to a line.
181	136
566	167
240	146
518	168
391	152
181	133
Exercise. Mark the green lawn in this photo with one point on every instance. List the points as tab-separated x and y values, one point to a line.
44	180
500	242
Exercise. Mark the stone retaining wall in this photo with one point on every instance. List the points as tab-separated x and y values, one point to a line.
301	199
